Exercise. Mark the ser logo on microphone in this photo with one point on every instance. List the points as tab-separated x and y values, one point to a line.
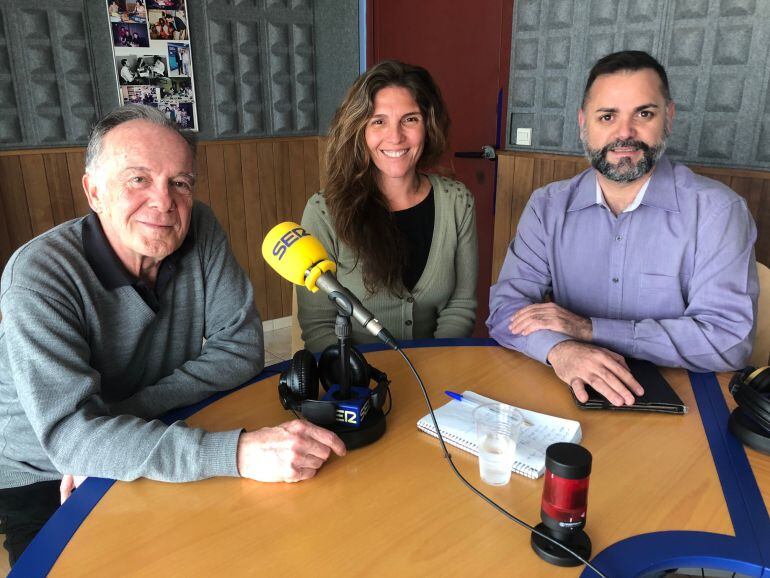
287	240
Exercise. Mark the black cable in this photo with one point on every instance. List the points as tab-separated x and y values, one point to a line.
480	494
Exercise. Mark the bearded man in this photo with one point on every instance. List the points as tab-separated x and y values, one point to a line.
636	256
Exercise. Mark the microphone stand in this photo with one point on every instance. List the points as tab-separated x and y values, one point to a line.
372	426
343	329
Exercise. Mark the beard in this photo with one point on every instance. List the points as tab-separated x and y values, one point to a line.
625	170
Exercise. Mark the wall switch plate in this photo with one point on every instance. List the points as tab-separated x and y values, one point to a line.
524	136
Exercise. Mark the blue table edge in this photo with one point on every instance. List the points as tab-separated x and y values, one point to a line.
747	552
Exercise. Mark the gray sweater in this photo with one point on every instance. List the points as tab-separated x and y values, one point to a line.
84	370
442	304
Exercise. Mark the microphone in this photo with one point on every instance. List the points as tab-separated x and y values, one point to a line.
300	258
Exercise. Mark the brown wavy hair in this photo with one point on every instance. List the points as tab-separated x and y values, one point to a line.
359	210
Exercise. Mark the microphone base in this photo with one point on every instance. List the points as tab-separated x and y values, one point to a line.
371	429
578	541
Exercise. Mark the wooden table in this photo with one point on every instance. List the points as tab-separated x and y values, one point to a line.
657	498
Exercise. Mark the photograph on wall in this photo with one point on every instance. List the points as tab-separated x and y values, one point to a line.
160	73
129	34
167	4
179	60
179	112
127	11
149	95
168	25
136	69
175	89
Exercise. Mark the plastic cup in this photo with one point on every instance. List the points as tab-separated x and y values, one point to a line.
497	433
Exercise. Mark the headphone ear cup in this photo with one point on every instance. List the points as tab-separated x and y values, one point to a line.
329	367
380	391
302	376
751	390
284	394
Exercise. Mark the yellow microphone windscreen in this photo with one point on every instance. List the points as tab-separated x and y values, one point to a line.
294	253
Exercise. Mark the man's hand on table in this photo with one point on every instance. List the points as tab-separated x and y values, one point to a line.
68	485
550	316
290	452
579	364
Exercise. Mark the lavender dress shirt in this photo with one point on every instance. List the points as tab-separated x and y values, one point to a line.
673	281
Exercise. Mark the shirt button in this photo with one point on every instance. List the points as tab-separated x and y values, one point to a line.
618	238
410	299
408	322
615	279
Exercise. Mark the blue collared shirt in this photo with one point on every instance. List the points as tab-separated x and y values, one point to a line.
673	281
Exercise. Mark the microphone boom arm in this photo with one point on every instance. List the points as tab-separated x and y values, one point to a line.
328	284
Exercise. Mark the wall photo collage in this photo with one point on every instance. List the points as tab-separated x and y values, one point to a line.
153	59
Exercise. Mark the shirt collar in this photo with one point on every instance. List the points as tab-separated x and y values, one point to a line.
633	205
102	258
660	192
110	270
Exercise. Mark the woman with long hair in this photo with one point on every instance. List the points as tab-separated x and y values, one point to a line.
404	240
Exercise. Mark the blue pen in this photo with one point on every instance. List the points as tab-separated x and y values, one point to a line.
459	397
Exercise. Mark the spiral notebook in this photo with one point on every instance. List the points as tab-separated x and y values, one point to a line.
540	430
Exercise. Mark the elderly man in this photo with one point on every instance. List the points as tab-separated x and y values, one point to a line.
640	256
110	320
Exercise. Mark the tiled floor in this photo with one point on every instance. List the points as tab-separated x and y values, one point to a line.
277	340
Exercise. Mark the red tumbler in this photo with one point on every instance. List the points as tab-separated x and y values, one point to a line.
564	504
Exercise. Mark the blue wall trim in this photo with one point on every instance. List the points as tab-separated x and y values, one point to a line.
748	552
362	65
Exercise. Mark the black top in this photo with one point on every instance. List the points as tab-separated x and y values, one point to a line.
569	461
111	272
416	224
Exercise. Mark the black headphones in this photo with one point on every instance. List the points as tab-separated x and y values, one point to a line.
298	385
750	422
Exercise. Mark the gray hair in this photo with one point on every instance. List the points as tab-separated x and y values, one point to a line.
125	114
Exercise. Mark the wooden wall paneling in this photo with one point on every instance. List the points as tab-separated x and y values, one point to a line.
321	148
713	173
751	190
201	175
503	210
215	163
312	169
564	169
523	179
267	193
258	269
76	166
14	199
57	177
6	247
543	173
235	208
297	179
283	206
36	188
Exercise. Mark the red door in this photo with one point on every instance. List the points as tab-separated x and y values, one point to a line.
465	44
